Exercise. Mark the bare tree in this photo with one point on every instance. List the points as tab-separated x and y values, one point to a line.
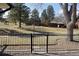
70	18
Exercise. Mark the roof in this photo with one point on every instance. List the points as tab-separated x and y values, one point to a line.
58	21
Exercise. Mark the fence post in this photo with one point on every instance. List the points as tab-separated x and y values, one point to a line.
47	44
31	43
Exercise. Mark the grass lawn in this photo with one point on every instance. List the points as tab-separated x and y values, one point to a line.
60	41
50	29
27	40
32	29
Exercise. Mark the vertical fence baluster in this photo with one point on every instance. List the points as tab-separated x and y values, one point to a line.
31	43
47	44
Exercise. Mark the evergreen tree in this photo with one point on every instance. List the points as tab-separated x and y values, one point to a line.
35	17
50	13
47	15
20	13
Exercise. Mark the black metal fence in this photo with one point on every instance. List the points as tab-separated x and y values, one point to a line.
32	42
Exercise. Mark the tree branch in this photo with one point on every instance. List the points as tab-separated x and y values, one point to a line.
66	12
70	11
10	6
74	9
61	5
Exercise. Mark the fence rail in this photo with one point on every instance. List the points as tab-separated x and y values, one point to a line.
32	44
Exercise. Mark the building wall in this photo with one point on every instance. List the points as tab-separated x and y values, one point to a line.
57	25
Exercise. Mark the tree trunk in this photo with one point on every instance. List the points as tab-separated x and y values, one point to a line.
19	17
70	31
20	23
46	23
70	17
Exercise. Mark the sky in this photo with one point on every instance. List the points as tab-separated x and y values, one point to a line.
41	6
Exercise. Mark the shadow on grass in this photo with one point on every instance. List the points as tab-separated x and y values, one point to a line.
10	32
40	32
45	54
75	41
49	33
4	54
